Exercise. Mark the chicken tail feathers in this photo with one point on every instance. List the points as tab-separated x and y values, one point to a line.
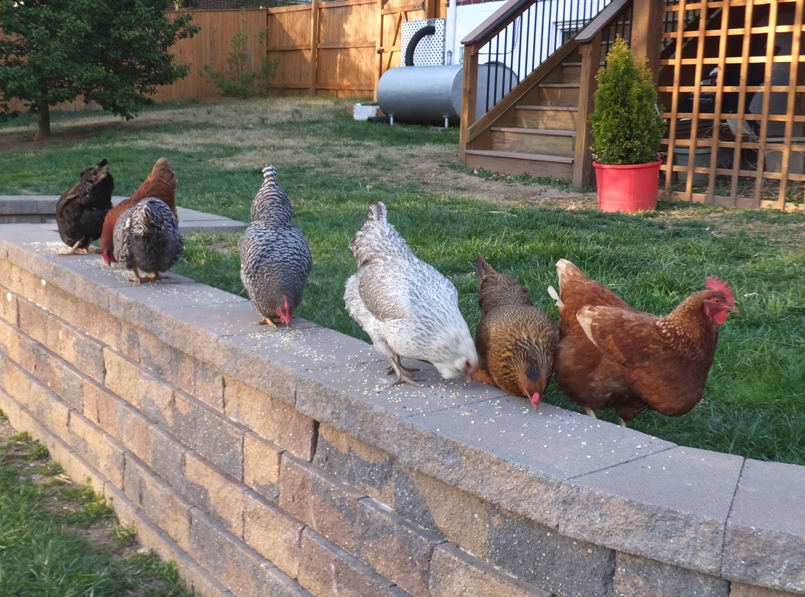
555	296
565	270
377	213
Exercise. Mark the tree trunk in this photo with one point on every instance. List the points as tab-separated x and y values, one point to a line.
43	118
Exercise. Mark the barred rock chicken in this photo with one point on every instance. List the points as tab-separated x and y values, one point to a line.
516	341
275	257
160	183
82	208
406	307
147	239
613	356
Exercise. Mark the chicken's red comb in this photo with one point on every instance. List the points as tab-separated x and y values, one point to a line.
720	286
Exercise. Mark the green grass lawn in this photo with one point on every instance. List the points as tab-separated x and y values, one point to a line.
58	539
333	168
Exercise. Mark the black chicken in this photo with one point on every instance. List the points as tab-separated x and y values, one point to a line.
82	208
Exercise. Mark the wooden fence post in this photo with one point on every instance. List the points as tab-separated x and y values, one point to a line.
314	44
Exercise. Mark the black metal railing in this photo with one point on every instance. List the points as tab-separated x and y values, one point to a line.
523	35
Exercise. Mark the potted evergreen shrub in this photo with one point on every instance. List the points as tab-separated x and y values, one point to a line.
627	131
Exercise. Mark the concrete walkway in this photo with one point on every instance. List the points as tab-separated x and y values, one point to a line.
15	209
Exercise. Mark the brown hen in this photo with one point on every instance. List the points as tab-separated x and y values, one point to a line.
516	341
614	356
161	183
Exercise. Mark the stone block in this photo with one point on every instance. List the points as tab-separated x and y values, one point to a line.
326	569
75	347
394	547
8	300
741	590
33	320
238	360
671	507
133	431
10	407
167	456
42	404
320	501
140	388
212	435
100	450
272	419
181	370
365	468
101	407
58	376
508	452
639	577
16	346
456	515
261	466
155	539
455	573
234	564
157	499
173	311
539	555
216	493
766	526
272	533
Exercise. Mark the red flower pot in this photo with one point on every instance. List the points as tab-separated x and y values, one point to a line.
630	187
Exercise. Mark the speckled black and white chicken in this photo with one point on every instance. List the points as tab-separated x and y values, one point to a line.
405	305
275	257
82	208
147	239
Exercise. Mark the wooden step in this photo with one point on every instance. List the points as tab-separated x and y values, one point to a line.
547	117
553	94
514	163
528	140
570	72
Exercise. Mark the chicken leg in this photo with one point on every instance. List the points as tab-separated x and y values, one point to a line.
403	373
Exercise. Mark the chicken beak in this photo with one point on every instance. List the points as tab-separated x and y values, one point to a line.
535	400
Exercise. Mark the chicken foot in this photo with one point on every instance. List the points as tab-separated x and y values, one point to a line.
75	250
391	368
140	279
591	412
403	373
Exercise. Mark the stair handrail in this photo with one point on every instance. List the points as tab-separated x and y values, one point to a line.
496	23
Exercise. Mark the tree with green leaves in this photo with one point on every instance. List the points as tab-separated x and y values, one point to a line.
111	52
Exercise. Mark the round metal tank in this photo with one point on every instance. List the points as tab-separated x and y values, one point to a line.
433	93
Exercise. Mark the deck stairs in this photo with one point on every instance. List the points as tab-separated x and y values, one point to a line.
536	136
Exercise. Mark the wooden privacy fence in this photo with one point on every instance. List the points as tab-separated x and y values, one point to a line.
341	47
336	48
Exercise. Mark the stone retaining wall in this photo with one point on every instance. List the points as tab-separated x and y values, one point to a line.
278	462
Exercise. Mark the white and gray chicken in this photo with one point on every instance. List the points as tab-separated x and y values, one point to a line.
405	305
147	239
275	257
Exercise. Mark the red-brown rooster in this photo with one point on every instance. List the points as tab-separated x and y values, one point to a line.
613	356
161	183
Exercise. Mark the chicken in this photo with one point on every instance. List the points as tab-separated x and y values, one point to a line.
160	183
516	341
406	307
275	257
82	208
613	356
147	239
